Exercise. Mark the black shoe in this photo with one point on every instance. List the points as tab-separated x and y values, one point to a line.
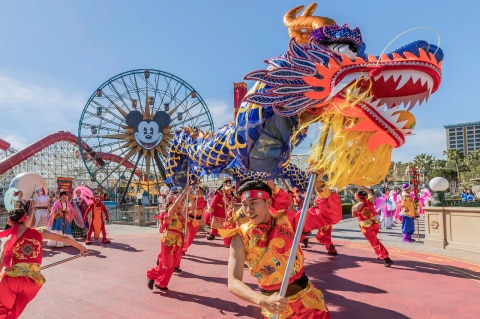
387	262
177	270
210	237
332	251
305	243
150	284
161	288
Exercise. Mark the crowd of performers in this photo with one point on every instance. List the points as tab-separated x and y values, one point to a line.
251	219
67	215
257	223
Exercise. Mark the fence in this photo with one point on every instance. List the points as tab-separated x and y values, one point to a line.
126	214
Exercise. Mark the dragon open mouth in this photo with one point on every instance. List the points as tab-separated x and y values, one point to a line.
388	92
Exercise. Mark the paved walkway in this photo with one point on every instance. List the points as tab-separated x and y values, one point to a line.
111	283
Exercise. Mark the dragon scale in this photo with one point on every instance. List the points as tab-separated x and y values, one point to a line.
362	103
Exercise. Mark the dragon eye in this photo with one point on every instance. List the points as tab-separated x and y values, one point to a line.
348	49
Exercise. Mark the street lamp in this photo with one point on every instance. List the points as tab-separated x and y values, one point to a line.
438	185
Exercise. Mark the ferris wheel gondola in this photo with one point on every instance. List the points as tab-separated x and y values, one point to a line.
126	127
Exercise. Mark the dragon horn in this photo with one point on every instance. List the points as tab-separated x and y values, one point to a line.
299	28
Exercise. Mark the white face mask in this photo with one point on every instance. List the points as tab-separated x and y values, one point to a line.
343	48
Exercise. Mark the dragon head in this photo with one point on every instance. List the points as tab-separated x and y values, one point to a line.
363	101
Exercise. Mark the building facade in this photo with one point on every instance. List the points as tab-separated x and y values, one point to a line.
464	137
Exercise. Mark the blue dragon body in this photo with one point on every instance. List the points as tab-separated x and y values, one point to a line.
361	101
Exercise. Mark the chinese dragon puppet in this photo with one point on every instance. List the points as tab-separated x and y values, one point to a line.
361	102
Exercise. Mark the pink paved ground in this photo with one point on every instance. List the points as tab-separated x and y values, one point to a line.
111	283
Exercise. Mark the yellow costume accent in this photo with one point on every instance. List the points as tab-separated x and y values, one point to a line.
173	233
31	271
408	206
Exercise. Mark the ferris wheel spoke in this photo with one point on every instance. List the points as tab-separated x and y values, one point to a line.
107	111
161	167
118	151
120	97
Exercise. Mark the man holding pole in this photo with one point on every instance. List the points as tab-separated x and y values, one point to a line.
265	244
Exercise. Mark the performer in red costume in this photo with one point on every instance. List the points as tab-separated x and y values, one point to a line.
326	212
265	243
281	200
369	225
97	224
194	218
221	203
170	246
21	256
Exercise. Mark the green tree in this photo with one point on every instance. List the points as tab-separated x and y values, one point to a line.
456	157
424	163
472	163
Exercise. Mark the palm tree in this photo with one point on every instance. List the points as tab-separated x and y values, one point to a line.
456	157
425	164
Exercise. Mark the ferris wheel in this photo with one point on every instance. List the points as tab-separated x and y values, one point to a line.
126	128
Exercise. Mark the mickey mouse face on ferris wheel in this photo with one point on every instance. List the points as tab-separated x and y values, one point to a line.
148	133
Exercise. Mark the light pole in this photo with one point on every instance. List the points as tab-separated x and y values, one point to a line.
439	185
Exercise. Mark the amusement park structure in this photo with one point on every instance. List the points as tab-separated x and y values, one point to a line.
57	155
108	154
50	157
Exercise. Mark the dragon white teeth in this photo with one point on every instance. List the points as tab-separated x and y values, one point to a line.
403	81
415	76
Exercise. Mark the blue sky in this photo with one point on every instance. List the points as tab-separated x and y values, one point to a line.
54	54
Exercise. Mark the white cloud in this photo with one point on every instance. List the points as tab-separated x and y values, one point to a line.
31	111
425	141
221	112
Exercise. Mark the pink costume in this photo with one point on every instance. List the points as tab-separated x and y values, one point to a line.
60	221
398	207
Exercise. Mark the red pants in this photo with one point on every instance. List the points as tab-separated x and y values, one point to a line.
324	236
15	294
169	258
192	231
370	234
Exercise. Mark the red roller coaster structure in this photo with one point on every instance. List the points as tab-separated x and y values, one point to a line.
32	149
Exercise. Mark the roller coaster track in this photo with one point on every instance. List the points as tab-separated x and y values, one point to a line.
24	154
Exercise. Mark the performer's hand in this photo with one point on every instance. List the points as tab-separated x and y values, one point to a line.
83	251
275	303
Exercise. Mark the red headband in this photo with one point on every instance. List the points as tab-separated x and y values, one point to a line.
254	194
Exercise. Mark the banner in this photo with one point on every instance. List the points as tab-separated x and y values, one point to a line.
239	92
65	183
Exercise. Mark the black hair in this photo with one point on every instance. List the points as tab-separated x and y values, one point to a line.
362	193
16	214
255	185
